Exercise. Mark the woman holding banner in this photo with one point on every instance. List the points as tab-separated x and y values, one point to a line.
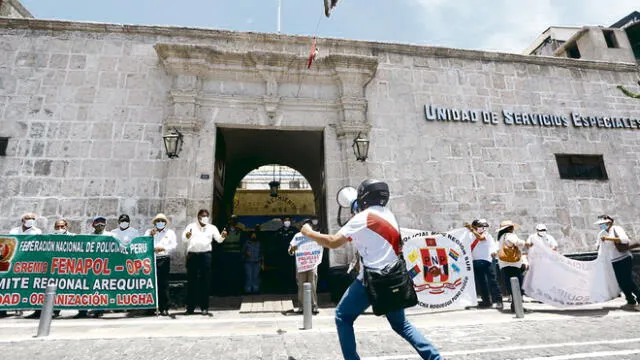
510	255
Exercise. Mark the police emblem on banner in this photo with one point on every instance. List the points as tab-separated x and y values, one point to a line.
7	249
441	268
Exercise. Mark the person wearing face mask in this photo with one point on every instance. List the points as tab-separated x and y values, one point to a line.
541	233
164	244
124	232
99	223
610	238
59	228
198	237
28	226
310	276
287	264
483	251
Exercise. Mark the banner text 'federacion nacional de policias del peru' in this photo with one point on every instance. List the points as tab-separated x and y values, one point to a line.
90	272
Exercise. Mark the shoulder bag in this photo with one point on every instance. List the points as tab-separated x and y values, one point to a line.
509	253
391	288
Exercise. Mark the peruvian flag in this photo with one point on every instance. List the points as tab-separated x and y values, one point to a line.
436	265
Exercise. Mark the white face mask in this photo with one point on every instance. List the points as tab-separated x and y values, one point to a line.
124	225
60	231
204	220
481	230
160	225
541	233
29	223
287	223
314	222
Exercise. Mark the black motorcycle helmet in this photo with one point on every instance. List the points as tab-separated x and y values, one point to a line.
372	192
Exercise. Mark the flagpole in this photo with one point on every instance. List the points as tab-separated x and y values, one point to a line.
279	9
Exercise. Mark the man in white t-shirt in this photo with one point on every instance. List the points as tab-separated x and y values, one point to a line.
484	249
28	226
612	238
541	233
124	232
376	235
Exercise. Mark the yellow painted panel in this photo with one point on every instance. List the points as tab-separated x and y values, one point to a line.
260	202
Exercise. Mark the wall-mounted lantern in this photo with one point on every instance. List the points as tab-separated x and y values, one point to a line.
173	143
361	147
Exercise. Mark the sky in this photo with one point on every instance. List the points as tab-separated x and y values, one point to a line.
493	25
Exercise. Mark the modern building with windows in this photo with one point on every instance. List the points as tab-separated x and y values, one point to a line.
458	134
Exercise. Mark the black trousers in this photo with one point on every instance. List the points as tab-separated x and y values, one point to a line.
198	280
163	265
485	275
507	273
624	274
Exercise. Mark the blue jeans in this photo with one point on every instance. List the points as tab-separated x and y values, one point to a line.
252	277
353	303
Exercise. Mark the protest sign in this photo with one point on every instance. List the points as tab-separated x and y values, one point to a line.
308	253
563	282
90	272
441	268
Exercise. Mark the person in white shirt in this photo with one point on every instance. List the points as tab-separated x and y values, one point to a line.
541	233
376	235
164	244
124	232
99	223
510	255
310	276
198	237
28	226
483	251
60	227
613	239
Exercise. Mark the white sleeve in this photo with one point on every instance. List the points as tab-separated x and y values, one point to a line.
14	231
184	234
552	241
216	235
493	244
621	234
147	233
357	223
172	243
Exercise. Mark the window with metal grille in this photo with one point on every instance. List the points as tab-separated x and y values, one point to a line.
581	167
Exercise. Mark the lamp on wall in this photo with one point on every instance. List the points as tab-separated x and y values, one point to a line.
4	142
274	185
361	147
173	143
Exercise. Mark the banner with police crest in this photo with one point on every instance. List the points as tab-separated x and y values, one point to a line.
441	267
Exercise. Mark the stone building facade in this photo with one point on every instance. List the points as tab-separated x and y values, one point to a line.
86	105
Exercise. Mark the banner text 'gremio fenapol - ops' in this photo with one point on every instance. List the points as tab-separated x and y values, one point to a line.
90	271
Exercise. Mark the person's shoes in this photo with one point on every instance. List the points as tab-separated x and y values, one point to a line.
35	315
484	305
499	306
315	311
628	306
3	314
189	312
81	316
98	314
299	311
206	313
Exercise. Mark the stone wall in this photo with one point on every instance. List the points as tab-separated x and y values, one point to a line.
85	106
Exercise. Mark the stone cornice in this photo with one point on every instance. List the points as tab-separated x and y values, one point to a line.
365	47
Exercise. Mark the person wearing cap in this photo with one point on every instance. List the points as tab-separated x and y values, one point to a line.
541	233
28	226
99	223
198	237
164	244
483	251
609	238
124	232
510	255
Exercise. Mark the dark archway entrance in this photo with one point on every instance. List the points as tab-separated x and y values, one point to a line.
240	150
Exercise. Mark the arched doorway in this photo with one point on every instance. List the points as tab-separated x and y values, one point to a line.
239	151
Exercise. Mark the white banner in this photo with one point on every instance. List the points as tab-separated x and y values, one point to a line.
441	267
559	281
308	253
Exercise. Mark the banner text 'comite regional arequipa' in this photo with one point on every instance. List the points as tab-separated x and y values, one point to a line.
90	271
